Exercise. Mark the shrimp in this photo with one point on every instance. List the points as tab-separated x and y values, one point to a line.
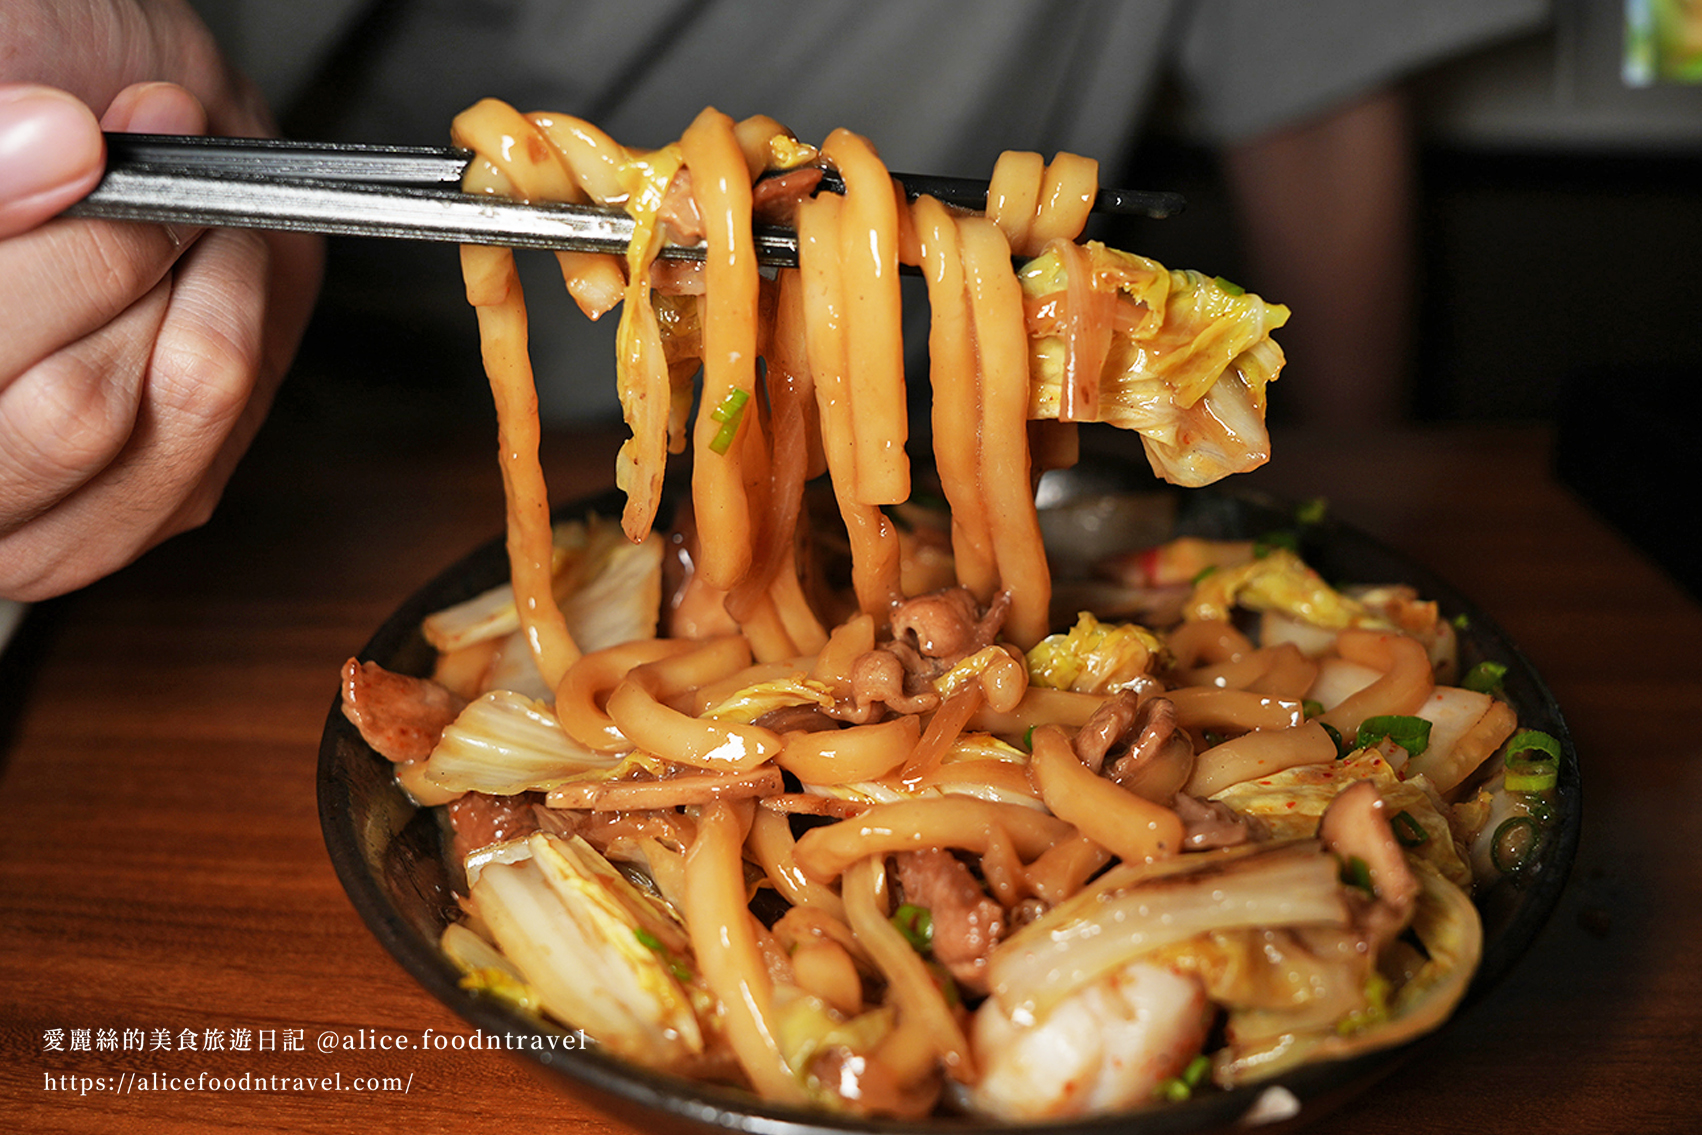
1106	1046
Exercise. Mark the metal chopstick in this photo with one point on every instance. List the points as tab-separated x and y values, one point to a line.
422	166
444	167
339	209
405	192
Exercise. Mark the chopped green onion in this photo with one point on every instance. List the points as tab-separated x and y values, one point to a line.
1312	709
1271	541
1462	621
1408	831
1202	573
916	923
1532	774
1357	873
1410	733
1514	844
731	406
945	983
1374	1012
1177	1088
1336	736
729	414
681	971
1527	740
1028	738
1485	677
1311	511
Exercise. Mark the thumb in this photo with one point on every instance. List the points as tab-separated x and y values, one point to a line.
51	154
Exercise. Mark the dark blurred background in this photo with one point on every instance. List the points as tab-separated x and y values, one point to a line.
1559	262
1560	226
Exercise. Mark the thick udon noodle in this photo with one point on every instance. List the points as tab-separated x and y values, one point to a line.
704	788
833	351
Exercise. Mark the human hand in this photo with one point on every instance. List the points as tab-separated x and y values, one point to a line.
136	361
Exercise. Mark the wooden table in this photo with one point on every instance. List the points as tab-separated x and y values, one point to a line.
167	908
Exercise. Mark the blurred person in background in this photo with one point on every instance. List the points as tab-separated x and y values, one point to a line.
136	362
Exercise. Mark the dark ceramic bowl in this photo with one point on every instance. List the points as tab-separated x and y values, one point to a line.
389	855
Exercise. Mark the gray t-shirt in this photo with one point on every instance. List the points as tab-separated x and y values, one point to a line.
940	86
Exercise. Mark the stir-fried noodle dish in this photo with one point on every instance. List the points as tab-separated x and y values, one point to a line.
820	791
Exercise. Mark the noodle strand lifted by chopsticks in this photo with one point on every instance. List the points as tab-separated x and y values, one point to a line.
874	540
957	399
1065	200
722	187
1013	193
835	359
1005	469
832	393
868	254
493	287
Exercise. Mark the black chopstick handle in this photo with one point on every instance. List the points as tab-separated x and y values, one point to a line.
970	193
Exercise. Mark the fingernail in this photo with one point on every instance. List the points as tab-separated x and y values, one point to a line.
47	140
155	108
